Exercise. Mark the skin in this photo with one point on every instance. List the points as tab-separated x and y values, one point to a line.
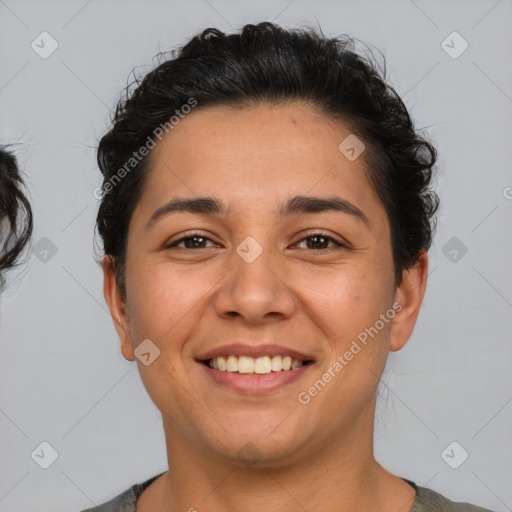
317	456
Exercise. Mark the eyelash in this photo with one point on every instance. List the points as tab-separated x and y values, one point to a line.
310	235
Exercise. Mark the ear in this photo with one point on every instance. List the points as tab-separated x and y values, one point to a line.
117	307
410	295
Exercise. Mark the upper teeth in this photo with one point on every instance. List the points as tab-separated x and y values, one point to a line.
261	365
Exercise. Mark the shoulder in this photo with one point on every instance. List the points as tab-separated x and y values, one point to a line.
126	501
431	501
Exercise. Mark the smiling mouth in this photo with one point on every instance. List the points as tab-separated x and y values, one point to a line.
254	365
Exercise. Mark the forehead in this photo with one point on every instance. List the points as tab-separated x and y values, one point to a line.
256	156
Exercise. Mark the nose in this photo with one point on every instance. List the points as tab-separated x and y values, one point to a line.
255	289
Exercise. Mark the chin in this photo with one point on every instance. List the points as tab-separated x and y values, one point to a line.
258	445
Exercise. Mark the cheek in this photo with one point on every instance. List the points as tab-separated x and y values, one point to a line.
165	303
345	303
166	300
344	300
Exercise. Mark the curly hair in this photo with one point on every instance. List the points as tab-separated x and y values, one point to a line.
15	214
266	63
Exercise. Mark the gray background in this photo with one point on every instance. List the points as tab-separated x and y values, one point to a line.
62	377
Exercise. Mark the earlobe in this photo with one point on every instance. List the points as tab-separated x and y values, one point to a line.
117	307
410	295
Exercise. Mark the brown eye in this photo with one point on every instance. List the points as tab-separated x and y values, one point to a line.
320	241
191	242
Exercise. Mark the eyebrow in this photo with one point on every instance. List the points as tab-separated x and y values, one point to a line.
296	205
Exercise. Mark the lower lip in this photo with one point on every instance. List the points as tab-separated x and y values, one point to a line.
255	384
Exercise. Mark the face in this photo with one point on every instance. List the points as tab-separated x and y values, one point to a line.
288	257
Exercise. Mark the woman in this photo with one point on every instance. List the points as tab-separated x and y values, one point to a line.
15	215
266	211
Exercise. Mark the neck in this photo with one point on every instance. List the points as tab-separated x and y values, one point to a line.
343	476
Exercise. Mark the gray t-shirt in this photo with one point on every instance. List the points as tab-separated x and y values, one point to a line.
425	501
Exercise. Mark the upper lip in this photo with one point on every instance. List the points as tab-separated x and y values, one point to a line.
240	349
